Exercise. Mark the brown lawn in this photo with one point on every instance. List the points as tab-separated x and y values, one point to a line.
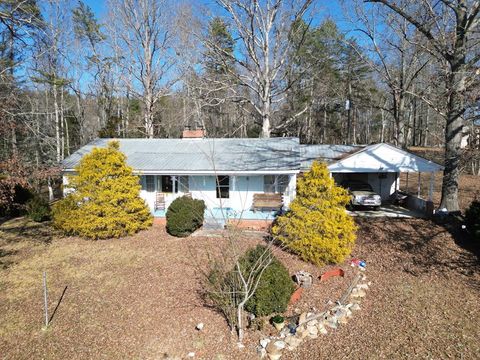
139	297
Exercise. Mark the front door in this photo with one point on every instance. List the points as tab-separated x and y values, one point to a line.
168	185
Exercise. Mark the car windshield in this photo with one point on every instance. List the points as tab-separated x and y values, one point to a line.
354	186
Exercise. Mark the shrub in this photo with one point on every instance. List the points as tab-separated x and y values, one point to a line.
184	216
272	294
472	219
275	286
38	209
105	200
317	227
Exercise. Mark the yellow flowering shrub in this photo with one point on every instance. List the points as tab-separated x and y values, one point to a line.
105	200
317	226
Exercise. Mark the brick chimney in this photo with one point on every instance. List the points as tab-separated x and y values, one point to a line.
188	133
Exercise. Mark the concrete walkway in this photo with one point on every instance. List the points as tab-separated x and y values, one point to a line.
392	211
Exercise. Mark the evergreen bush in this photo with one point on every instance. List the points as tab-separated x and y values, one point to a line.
275	286
38	209
472	219
184	216
104	201
317	226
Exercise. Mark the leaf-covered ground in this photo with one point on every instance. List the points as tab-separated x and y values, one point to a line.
139	297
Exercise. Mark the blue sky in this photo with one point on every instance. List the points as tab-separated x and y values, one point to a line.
325	9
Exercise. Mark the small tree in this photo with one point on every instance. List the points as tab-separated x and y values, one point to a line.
105	200
317	227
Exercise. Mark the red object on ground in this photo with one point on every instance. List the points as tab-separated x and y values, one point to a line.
331	273
297	294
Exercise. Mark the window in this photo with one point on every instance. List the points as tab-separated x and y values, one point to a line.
223	187
169	184
183	184
150	183
274	184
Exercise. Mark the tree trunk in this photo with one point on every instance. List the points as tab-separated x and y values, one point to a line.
453	137
57	124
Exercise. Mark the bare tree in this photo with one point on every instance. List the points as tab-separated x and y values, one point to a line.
450	34
265	31
389	52
145	33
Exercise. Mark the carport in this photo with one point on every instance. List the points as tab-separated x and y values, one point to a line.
380	165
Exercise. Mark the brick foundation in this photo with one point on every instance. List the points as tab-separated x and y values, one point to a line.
251	224
160	221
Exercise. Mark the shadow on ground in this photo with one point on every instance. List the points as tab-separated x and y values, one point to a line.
423	246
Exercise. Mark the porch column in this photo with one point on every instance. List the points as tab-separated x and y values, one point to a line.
418	184
430	191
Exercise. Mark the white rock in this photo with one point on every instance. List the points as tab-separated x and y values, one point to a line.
362	286
331	321
264	342
199	326
191	354
355	307
302	318
321	329
275	347
274	356
293	342
312	331
261	352
240	345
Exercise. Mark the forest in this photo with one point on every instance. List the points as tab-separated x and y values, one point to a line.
404	72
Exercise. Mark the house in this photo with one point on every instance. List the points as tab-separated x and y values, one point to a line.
241	178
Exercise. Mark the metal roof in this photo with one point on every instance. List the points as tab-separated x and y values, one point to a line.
327	153
383	157
202	155
273	155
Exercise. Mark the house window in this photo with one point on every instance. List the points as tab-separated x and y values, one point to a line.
275	184
150	183
169	184
183	184
223	187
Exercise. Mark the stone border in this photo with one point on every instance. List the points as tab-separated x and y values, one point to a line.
312	325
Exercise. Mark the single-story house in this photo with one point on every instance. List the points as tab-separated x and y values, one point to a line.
235	176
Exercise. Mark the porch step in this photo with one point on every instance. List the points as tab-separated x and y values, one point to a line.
213	224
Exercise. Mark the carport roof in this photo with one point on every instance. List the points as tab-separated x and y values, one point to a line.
383	158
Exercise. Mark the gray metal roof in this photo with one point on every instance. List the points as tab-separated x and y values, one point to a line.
177	156
327	153
197	155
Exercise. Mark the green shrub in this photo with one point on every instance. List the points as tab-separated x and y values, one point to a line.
38	209
184	216
275	286
472	219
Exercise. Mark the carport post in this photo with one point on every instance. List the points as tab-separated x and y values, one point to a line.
432	181
418	184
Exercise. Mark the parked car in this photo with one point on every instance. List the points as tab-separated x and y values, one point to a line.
362	194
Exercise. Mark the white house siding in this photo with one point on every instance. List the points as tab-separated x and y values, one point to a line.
241	193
